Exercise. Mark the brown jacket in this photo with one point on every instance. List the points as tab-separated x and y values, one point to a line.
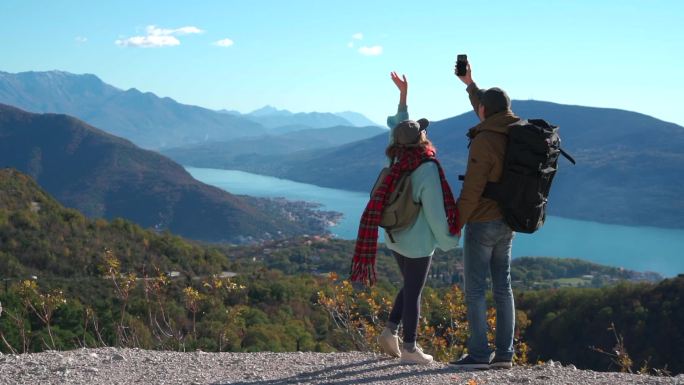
485	163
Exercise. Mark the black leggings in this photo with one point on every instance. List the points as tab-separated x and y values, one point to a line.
406	306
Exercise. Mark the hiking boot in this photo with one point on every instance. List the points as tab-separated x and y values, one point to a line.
468	362
415	357
501	363
389	343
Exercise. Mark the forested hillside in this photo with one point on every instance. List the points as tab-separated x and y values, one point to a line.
104	176
568	324
70	281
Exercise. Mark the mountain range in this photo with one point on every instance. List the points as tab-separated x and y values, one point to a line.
627	173
284	120
628	164
150	121
102	175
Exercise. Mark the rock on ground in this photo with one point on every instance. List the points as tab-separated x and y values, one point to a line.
127	366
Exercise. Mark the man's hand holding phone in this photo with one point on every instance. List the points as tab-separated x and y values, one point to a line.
462	70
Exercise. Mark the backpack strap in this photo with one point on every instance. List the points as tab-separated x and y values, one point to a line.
421	163
461	177
492	191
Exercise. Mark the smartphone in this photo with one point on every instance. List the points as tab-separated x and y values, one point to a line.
461	64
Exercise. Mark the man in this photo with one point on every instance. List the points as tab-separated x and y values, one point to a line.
488	238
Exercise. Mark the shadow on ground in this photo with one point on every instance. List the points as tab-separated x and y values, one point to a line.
362	372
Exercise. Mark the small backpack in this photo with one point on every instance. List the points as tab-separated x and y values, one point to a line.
530	163
400	211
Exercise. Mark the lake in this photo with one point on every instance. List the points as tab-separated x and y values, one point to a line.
634	248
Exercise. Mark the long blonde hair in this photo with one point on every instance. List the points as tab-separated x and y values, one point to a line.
423	142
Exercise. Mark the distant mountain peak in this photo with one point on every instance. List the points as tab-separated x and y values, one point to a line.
56	75
229	112
143	117
269	110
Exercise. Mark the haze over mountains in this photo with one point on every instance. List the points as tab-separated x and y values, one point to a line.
224	154
147	120
284	120
288	132
105	176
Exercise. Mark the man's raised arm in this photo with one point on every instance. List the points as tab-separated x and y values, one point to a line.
472	88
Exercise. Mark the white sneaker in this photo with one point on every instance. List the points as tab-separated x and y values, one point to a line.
415	357
389	343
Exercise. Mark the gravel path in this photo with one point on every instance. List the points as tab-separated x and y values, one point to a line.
130	366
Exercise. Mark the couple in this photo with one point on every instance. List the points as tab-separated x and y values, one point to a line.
488	238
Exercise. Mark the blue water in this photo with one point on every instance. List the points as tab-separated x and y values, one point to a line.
634	248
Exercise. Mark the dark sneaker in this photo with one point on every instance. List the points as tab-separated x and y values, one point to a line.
468	362
500	363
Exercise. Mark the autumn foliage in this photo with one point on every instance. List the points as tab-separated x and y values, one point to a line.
442	328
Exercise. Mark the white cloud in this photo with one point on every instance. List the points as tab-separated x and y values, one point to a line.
224	42
189	30
357	36
371	51
350	44
158	37
81	39
148	41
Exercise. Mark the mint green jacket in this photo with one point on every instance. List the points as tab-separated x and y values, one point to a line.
430	230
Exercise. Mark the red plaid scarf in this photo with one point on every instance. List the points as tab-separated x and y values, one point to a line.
363	264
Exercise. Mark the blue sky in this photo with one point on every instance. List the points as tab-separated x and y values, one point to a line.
335	56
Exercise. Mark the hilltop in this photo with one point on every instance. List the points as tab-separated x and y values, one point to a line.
38	236
185	296
125	366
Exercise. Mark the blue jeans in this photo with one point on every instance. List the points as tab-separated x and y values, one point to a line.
488	249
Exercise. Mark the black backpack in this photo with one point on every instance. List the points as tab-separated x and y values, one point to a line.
529	166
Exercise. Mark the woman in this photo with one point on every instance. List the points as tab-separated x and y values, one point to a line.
436	225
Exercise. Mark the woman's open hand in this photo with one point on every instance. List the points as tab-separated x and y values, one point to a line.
400	82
